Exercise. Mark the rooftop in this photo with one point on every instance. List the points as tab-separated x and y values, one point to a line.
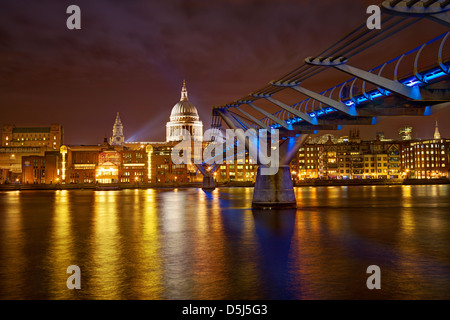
32	130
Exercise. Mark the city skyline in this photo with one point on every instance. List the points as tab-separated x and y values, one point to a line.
132	58
389	132
225	155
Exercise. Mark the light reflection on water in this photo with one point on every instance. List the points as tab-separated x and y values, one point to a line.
191	244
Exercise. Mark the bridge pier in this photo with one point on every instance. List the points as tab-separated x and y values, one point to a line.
208	183
277	191
274	191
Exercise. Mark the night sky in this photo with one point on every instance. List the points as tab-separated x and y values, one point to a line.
132	56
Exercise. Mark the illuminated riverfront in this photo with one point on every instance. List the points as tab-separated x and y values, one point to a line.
237	152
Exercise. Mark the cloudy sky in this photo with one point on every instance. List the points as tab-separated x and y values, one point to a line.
132	56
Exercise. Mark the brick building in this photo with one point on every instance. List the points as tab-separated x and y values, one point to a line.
41	169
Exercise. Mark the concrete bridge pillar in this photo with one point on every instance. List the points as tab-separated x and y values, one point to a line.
277	191
208	183
274	191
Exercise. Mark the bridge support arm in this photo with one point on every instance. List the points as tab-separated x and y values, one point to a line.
325	100
390	85
293	111
433	10
270	116
262	125
229	120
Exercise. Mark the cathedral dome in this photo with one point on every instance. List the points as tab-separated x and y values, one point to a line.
184	110
184	120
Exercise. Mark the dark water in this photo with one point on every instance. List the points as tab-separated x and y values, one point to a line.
188	244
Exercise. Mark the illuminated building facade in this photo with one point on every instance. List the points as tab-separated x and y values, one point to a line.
241	170
51	137
134	163
11	161
351	158
426	159
18	142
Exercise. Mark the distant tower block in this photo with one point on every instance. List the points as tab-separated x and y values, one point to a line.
405	133
117	139
437	135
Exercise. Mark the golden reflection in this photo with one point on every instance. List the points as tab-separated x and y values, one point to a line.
61	246
248	192
407	198
150	269
176	252
12	246
106	246
407	222
434	192
207	256
202	224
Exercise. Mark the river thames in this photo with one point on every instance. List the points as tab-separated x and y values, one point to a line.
190	244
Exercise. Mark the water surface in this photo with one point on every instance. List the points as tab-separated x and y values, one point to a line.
188	244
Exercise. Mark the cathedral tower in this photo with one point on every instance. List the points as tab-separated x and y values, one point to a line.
117	139
437	135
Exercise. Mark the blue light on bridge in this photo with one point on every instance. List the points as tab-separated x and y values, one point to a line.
410	82
432	76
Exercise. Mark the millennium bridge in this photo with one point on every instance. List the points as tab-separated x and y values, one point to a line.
414	83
